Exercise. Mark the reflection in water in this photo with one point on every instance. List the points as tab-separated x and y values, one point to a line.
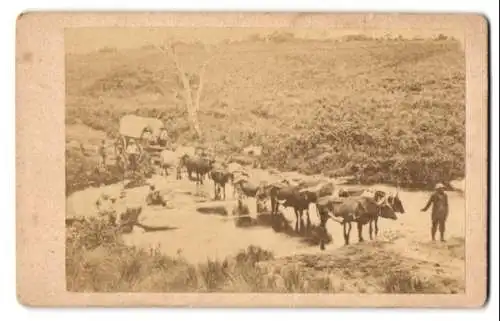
198	236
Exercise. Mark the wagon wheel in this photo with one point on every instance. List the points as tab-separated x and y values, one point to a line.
141	142
141	159
141	153
119	146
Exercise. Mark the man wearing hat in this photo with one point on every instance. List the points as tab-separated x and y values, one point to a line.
439	201
133	153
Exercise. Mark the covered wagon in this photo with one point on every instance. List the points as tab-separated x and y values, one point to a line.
146	133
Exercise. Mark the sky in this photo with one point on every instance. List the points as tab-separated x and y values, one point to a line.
83	40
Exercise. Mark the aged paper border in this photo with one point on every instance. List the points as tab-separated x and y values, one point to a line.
40	137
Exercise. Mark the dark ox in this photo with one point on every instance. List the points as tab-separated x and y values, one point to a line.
361	210
197	164
393	200
314	193
220	177
290	196
396	203
358	209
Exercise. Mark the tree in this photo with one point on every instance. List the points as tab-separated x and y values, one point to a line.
191	95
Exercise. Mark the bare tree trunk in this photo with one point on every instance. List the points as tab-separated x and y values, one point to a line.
201	81
192	105
193	116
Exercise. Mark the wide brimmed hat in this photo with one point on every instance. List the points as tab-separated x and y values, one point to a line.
439	186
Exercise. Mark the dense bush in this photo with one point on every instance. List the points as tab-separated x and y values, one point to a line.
429	153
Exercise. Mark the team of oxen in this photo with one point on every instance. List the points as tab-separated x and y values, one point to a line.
345	206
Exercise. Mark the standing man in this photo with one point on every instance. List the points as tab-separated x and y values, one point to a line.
102	154
133	154
439	201
163	137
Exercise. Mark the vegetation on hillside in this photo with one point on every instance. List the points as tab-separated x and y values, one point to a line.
383	110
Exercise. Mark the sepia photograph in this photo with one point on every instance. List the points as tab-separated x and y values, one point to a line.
271	160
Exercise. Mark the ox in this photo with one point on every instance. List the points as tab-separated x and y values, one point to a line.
359	209
393	200
170	159
199	165
315	192
182	151
236	171
244	188
221	177
288	196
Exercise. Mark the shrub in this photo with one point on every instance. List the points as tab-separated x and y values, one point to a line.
403	282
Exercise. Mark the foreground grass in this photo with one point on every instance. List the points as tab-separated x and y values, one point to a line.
98	261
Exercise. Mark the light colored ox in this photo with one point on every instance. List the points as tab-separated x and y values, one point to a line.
172	159
169	160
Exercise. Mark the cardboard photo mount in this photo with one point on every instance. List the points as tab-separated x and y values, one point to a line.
40	156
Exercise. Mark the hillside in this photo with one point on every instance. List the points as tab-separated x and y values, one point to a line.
387	111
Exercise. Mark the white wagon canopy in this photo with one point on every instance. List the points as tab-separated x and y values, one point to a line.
133	126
